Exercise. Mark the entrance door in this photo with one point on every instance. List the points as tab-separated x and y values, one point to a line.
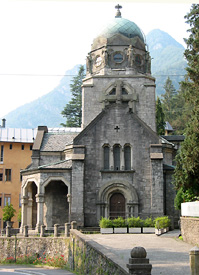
117	206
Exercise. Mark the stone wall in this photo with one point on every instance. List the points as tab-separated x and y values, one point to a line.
84	255
190	229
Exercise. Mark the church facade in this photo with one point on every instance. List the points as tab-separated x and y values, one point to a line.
116	164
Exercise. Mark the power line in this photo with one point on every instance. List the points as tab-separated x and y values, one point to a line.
68	75
53	75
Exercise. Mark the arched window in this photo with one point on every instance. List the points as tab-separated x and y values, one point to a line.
106	157
127	157
116	157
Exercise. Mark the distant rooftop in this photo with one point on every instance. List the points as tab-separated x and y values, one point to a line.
29	135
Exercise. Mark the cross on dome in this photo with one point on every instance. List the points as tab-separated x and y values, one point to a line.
118	14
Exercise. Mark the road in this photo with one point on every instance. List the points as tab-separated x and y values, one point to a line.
21	270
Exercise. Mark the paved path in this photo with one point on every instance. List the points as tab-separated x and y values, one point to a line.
167	254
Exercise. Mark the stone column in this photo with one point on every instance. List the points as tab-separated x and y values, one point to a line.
40	211
25	231
111	158
194	260
138	264
74	225
8	231
42	231
122	158
69	207
56	230
29	211
24	204
67	229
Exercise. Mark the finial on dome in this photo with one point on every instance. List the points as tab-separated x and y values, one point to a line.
118	14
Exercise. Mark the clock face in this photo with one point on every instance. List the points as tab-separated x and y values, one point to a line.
98	60
118	58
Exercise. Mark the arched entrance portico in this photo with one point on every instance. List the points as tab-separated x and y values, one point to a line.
117	199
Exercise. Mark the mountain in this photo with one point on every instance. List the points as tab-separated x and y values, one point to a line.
45	110
167	60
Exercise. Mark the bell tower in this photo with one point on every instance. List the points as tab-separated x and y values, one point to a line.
118	71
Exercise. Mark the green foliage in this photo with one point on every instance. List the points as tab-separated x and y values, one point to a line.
106	223
119	222
160	121
73	110
184	196
148	222
186	176
135	222
8	212
162	222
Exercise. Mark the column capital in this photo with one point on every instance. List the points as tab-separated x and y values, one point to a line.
40	198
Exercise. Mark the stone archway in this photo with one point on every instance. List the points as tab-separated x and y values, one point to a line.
56	206
125	189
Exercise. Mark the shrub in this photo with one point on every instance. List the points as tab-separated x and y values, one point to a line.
135	222
148	222
106	223
119	222
8	212
162	222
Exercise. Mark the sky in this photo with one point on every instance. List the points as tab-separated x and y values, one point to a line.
40	40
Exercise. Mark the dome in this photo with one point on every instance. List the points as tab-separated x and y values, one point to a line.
124	27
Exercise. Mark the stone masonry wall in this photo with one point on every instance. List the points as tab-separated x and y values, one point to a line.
190	229
84	255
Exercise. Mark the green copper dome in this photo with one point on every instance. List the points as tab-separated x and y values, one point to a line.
124	27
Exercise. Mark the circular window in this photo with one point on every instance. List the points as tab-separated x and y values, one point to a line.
98	60
118	57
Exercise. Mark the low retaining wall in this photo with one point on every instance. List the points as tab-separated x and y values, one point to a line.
84	255
190	229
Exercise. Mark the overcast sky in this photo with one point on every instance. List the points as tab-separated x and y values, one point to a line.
41	39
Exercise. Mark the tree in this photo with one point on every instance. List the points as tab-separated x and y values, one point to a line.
73	110
168	100
8	212
186	176
160	121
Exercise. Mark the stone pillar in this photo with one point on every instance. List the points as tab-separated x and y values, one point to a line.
8	231
42	231
40	210
157	183
25	231
77	203
122	158
73	225
111	158
138	264
67	229
56	230
24	203
69	207
29	211
194	260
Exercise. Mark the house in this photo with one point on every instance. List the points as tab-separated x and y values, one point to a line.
15	155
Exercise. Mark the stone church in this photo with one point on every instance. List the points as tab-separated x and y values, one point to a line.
115	164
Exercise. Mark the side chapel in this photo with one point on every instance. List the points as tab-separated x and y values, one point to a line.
116	164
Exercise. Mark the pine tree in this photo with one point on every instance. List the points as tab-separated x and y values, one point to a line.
73	110
186	176
168	101
160	122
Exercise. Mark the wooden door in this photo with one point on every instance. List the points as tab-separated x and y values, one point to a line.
117	206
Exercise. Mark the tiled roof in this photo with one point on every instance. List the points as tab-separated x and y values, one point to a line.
56	141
